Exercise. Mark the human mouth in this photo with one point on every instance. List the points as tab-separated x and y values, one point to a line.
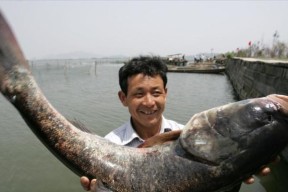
148	112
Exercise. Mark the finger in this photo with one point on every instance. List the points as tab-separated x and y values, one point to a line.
250	180
93	185
85	183
265	171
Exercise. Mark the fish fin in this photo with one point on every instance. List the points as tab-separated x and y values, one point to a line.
77	123
161	138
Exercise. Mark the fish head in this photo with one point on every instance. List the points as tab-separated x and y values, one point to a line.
242	130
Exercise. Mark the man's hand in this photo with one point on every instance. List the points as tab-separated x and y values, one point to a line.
264	171
87	184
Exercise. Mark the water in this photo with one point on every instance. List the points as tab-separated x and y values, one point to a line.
88	92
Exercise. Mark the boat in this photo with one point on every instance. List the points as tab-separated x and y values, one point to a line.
194	70
198	68
175	59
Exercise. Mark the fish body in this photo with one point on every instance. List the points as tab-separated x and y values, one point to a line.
216	150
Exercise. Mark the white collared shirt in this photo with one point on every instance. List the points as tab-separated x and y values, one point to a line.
126	135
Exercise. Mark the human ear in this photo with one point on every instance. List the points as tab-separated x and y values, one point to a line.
122	98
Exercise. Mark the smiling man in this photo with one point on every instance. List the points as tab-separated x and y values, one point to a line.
143	90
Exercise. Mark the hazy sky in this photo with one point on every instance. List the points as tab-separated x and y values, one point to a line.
130	28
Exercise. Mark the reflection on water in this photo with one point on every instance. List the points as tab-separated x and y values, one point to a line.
88	92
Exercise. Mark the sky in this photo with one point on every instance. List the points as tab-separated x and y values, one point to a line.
129	28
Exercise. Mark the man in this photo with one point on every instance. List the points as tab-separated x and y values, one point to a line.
143	90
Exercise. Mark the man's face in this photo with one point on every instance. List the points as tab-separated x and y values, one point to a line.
145	99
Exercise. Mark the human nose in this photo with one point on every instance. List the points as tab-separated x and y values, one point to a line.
148	100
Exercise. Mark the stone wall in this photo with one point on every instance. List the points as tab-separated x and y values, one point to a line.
257	78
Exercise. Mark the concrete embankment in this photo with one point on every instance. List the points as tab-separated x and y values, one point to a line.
257	78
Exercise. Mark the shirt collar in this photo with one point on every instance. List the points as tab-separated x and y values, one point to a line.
130	133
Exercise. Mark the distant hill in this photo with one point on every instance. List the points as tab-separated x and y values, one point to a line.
79	55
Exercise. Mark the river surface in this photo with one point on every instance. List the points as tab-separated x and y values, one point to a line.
88	92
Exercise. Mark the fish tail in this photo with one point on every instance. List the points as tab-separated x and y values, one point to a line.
12	59
10	51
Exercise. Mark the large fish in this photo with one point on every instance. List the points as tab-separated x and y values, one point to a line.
217	149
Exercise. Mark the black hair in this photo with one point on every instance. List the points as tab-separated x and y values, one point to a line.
146	65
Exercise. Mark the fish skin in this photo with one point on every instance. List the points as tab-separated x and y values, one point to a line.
199	160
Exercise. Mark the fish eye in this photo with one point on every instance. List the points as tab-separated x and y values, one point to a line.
257	116
262	116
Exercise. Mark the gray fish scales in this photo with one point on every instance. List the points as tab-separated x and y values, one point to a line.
217	149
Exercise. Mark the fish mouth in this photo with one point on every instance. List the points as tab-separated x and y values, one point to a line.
281	101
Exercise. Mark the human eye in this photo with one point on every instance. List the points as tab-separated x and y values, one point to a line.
157	93
138	94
